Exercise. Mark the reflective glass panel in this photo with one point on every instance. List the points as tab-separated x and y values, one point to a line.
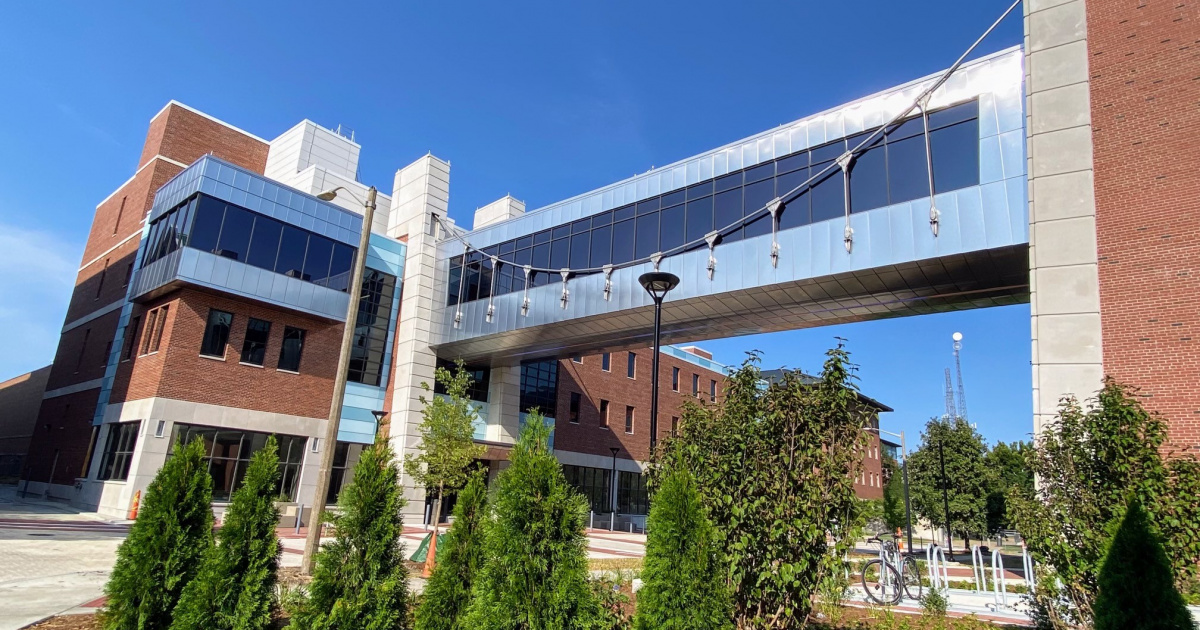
699	218
622	244
868	180
647	235
264	243
671	233
235	233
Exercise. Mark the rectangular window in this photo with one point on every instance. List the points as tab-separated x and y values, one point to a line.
120	211
131	333
628	419
632	497
118	451
128	274
631	369
604	413
371	328
593	483
156	340
227	454
216	333
712	391
576	401
100	283
292	349
345	457
539	385
576	359
696	385
674	425
151	326
605	362
254	347
674	379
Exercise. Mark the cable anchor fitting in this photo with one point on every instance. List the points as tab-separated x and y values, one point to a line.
774	207
711	239
608	270
566	293
525	297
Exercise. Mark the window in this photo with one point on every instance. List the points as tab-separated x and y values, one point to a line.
696	385
151	325
576	401
254	346
131	334
631	369
156	339
371	327
82	349
605	362
593	483
345	457
227	454
100	282
632	497
712	391
477	388
128	274
292	349
216	333
674	379
539	385
118	451
120	211
628	419
674	425
604	413
576	359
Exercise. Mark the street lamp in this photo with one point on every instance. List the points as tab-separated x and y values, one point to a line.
657	284
313	541
613	495
904	473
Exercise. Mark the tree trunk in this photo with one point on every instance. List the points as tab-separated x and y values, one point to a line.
431	555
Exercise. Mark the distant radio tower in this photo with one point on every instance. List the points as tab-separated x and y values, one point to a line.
950	412
962	392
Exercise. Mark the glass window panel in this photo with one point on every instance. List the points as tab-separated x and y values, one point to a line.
955	156
264	243
828	197
795	212
906	129
216	333
471	289
316	262
541	260
455	284
561	231
647	235
727	210
341	266
485	280
671	233
868	180
908	177
541	237
953	115
622	242
792	162
672	198
525	242
703	189
647	206
254	346
601	248
581	225
757	196
853	141
604	218
760	172
560	253
729	182
207	225
235	233
620	214
523	257
504	279
579	250
699	218
828	152
292	247
292	349
508	247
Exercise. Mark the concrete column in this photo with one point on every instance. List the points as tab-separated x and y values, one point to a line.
1064	281
502	209
504	402
421	190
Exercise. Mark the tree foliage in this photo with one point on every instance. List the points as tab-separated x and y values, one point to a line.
165	546
446	596
1008	471
683	579
447	437
360	580
535	574
775	467
235	585
1087	462
1136	589
893	495
966	479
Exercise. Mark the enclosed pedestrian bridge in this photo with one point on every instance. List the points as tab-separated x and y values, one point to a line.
825	220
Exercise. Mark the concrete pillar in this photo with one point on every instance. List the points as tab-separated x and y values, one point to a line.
502	209
504	402
1064	281
421	190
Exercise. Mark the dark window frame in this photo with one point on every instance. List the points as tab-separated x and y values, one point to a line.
118	450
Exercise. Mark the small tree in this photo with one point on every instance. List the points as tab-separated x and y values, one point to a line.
893	495
448	592
683	580
1136	589
535	575
165	546
236	583
360	581
447	440
966	481
1009	472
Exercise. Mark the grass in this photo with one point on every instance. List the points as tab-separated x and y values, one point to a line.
615	564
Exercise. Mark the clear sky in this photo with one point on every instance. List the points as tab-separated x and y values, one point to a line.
541	100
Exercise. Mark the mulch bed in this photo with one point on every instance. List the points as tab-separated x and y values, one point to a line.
68	622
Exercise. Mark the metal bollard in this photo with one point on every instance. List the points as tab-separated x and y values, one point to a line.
299	516
591	519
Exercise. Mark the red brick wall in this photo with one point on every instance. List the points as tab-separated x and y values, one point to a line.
64	427
178	371
1144	61
185	136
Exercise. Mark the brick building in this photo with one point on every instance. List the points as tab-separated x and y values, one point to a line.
20	401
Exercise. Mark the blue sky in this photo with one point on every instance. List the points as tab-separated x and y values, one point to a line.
540	100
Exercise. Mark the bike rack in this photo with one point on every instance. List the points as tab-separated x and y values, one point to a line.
935	561
999	585
978	572
1027	565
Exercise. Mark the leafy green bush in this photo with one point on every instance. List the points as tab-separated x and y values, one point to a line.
535	572
683	582
236	583
360	580
166	544
448	592
1136	589
934	603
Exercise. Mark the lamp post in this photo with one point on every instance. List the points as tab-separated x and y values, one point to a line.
313	541
904	473
379	416
657	284
613	495
945	490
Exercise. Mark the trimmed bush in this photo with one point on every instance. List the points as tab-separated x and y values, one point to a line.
166	544
535	572
683	583
360	580
236	583
1136	588
460	556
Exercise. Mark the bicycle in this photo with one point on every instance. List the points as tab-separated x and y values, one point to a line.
898	575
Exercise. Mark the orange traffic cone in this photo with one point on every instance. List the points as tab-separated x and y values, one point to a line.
133	509
430	562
